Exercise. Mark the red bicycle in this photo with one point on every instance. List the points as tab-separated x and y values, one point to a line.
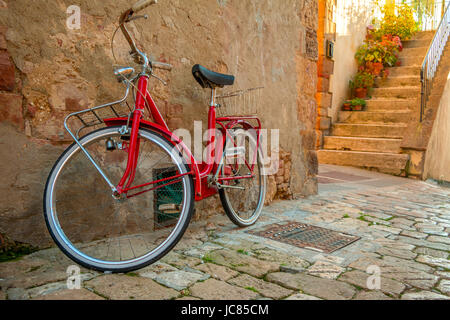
121	197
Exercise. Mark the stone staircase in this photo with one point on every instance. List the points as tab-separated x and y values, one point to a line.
372	138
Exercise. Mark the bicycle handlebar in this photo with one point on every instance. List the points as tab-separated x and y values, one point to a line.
161	65
126	17
142	4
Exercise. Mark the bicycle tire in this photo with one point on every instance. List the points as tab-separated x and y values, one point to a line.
67	247
230	209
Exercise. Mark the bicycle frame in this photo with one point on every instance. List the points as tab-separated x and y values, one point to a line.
199	171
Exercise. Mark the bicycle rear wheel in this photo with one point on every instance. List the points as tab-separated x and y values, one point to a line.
243	199
119	235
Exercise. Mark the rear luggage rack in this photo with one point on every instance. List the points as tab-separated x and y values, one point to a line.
242	102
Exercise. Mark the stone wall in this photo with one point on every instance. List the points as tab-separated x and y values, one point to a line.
425	140
352	19
47	71
437	157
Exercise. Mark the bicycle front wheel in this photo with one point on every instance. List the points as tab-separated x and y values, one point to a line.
103	233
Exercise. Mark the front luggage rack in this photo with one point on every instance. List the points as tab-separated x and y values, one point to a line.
78	121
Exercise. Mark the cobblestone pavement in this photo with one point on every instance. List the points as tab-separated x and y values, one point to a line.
403	225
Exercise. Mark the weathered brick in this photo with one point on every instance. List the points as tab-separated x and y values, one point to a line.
324	123
319	139
309	77
3	45
323	112
309	16
175	123
311	45
7	72
313	162
326	66
307	111
175	110
11	109
308	139
323	84
323	100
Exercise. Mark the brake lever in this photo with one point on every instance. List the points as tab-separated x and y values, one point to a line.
158	78
145	16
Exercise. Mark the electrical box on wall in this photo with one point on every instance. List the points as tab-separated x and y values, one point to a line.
329	49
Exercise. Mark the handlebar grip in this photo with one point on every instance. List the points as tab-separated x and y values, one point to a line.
142	4
161	65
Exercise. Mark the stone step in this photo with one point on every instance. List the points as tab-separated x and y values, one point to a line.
386	116
382	162
424	35
416	43
416	51
398	81
411	60
405	92
394	131
391	104
362	144
404	71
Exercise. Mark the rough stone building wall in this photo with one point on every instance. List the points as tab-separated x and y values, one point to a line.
437	157
325	64
47	71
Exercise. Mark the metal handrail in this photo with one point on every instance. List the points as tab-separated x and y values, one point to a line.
432	59
427	13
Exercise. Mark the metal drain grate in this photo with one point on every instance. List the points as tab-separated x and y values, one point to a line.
306	236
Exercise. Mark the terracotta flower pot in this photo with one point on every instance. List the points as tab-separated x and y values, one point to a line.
346	107
357	108
361	93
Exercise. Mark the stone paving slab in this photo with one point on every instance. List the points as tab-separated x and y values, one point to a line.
318	287
301	296
371	295
154	270
189	298
414	234
403	225
179	260
217	272
180	279
404	254
78	294
243	262
118	287
438	262
325	269
439	239
361	280
444	286
218	290
424	295
265	288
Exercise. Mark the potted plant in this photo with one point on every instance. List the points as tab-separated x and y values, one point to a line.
347	106
358	104
361	83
